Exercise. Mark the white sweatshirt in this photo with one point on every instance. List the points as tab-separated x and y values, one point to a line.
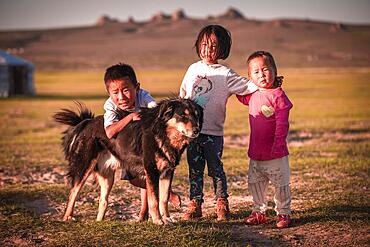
143	99
211	86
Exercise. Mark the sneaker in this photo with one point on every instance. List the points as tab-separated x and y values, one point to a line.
283	221
194	210
222	209
256	218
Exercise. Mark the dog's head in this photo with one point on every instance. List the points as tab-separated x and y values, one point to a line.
183	116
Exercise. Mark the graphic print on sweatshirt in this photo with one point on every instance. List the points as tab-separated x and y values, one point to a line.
201	90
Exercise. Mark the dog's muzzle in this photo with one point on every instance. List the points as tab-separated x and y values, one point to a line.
194	133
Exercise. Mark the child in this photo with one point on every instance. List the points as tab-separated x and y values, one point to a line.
125	93
210	84
268	118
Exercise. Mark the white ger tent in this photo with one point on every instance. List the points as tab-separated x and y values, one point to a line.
16	76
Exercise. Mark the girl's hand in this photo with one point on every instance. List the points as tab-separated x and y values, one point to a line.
278	81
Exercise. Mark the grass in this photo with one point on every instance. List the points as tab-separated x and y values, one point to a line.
330	160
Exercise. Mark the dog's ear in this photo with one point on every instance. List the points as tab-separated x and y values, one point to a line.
166	110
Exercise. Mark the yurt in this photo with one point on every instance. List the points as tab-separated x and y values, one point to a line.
16	76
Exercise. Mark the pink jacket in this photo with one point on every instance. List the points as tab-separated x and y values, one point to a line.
269	123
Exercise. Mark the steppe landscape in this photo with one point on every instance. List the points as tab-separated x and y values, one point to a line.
166	42
326	67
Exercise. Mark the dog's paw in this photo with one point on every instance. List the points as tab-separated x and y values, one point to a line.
141	220
69	218
158	222
143	216
168	220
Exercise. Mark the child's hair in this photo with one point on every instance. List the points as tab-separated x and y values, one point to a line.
266	55
119	72
223	39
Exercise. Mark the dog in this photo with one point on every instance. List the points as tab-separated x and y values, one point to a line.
149	150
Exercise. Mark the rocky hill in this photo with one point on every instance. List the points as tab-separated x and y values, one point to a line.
166	42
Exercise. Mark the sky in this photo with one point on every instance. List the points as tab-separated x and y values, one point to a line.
39	14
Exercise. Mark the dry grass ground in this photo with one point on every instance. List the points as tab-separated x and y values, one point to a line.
329	143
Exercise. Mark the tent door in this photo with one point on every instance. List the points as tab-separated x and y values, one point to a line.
18	79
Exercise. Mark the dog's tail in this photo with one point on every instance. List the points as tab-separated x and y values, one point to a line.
77	122
79	150
71	118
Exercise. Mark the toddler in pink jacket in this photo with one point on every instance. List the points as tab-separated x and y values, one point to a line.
268	151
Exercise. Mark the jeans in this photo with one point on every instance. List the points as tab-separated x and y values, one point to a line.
206	148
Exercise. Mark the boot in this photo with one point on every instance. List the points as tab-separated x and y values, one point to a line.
175	200
222	209
194	210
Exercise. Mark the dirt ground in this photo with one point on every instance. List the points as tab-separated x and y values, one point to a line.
299	234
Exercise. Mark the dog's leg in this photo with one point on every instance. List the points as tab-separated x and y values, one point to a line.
143	215
75	190
164	194
152	192
106	182
141	183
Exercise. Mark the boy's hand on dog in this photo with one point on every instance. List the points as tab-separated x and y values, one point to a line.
135	116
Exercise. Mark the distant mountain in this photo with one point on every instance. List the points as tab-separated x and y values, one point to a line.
166	42
232	13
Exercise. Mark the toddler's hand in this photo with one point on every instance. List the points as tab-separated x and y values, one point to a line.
135	116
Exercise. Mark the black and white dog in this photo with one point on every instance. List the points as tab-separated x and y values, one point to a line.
149	150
